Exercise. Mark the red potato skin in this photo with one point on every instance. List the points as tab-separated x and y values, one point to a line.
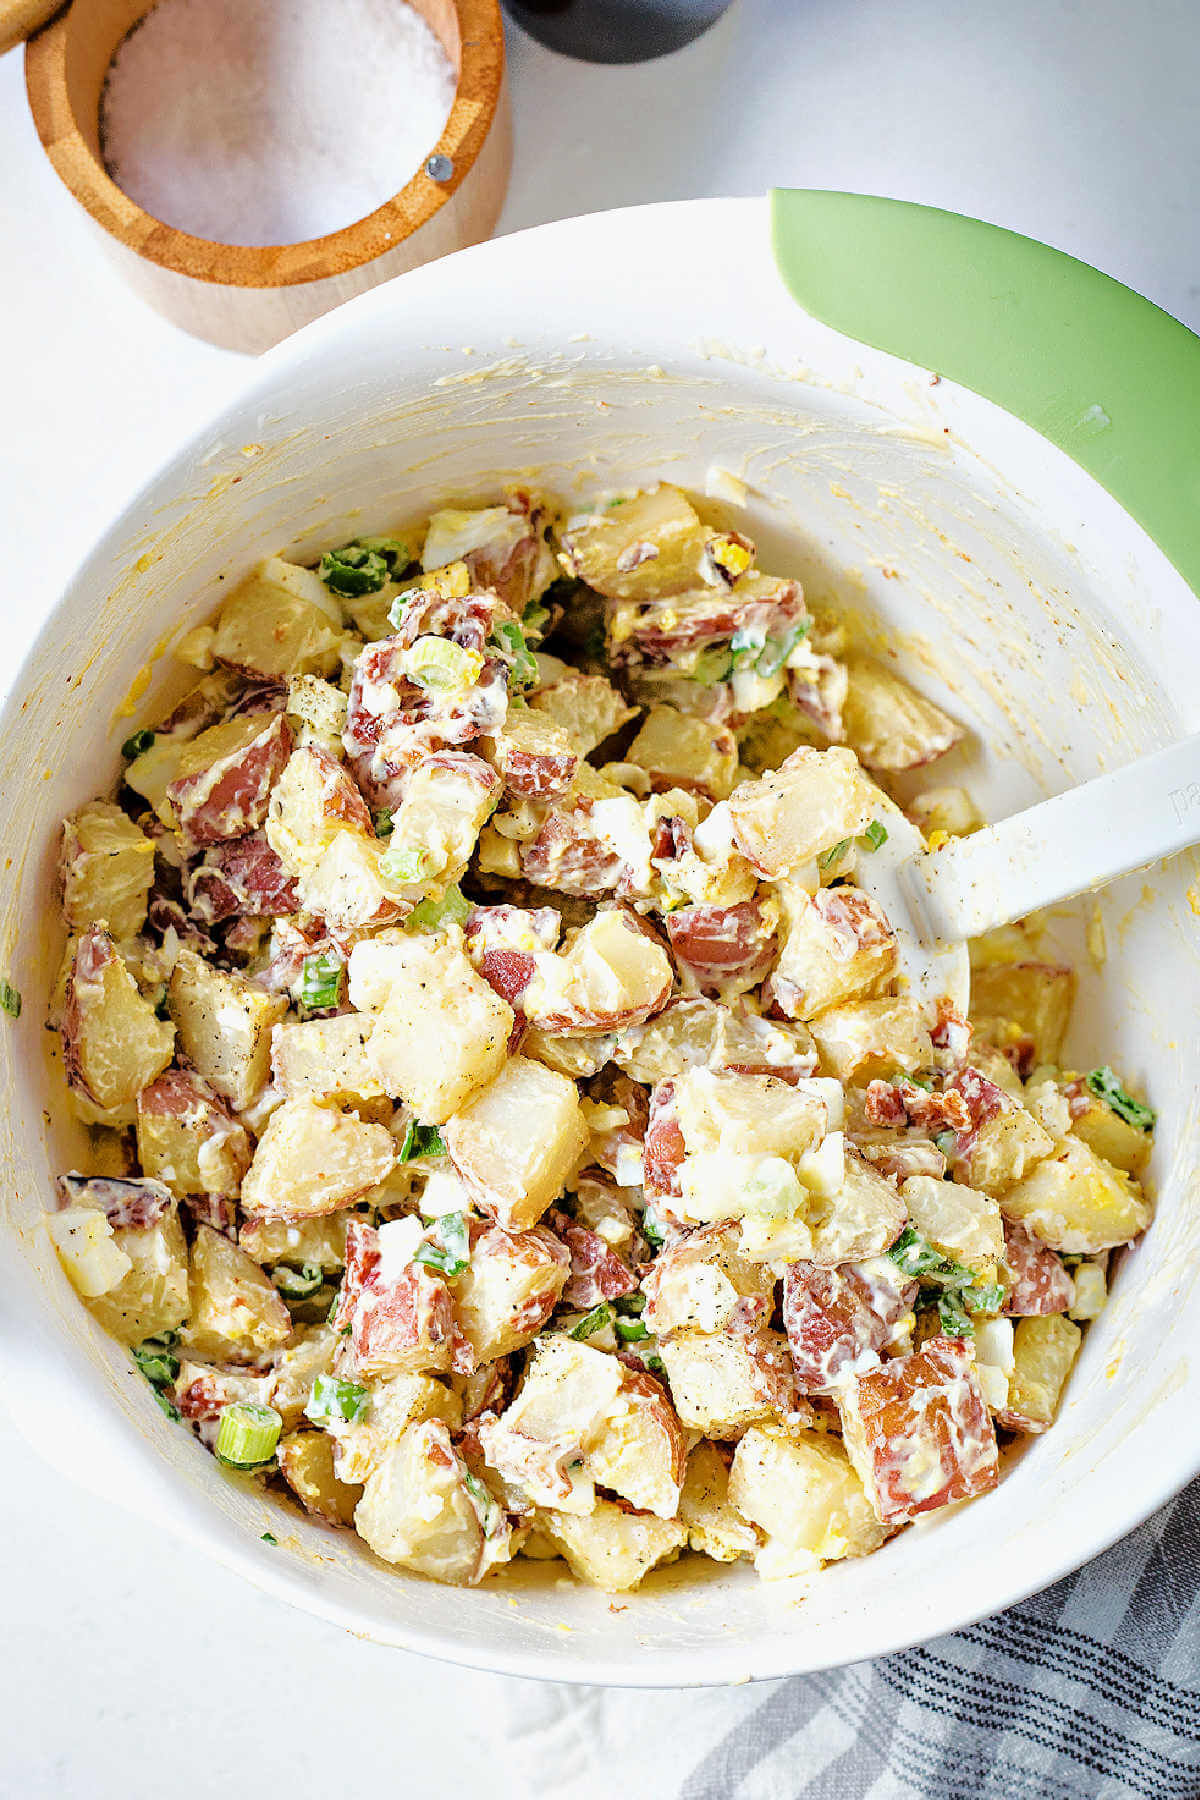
929	1400
1040	1283
241	878
665	1149
578	1023
393	724
217	1210
567	855
597	1273
387	1321
467	619
230	798
538	1249
535	775
183	1094
979	1100
715	946
127	1205
834	1318
711	620
489	932
93	953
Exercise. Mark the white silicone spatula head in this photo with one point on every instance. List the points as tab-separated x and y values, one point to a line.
1072	844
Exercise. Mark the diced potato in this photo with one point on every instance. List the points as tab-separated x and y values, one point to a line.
1077	1202
535	756
434	996
918	1431
306	1464
611	1548
320	709
723	949
860	1218
640	1452
325	1059
446	801
699	1282
785	818
648	546
715	1527
279	622
152	1292
394	1316
947	809
224	778
805	1497
695	1031
721	1381
1105	1132
837	947
107	869
1002	1141
587	707
964	1225
309	1354
870	1038
314	800
224	1022
313	1159
509	1290
1044	1348
1025	1005
1035	1277
577	1057
319	1240
1090	1291
348	888
93	1263
888	724
680	751
202	1391
234	1312
516	1142
611	976
758	1115
187	1137
422	1508
113	1045
395	1404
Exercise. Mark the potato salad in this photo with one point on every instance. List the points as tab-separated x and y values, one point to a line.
511	1132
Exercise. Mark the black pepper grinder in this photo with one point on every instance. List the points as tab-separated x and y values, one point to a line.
615	31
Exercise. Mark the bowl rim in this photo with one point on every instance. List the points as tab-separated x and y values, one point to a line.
157	1493
81	169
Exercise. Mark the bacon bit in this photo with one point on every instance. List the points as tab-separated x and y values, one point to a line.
597	1273
884	1105
838	1321
243	875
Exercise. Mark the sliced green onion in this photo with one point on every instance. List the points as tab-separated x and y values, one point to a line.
988	1298
1104	1084
10	999
439	664
430	915
592	1322
268	1537
915	1255
298	1284
404	863
523	669
631	1304
712	666
835	855
748	643
394	551
247	1435
320	984
137	745
451	1253
157	1364
168	1405
421	1140
353	571
383	823
333	1398
955	1320
630	1330
946	1141
535	618
652	1229
875	836
162	1340
777	650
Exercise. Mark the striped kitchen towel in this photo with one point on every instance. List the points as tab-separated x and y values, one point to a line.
1089	1691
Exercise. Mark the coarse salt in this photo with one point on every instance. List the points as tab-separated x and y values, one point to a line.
272	121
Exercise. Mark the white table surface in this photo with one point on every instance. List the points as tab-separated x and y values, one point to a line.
128	1669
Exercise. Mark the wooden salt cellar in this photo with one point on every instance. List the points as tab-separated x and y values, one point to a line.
247	298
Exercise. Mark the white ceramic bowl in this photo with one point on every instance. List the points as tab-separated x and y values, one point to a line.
604	351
